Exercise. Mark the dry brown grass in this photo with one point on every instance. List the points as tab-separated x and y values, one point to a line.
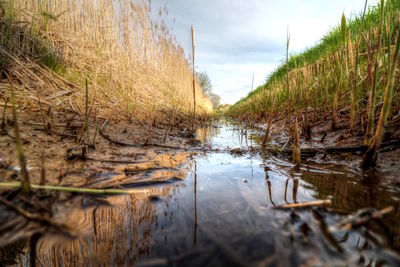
135	66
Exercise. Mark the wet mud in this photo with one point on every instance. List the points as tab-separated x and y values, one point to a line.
216	199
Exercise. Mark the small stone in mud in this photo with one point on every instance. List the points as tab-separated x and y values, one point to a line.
237	151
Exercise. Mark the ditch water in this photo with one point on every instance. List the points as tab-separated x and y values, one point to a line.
223	214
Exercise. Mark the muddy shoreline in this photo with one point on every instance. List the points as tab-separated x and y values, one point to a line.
167	172
324	142
115	155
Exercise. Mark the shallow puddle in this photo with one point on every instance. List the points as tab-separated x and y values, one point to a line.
223	213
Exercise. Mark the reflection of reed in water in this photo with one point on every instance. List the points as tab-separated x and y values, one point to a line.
349	196
205	134
266	170
195	203
295	187
316	226
112	235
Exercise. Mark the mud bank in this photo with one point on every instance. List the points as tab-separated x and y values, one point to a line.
223	206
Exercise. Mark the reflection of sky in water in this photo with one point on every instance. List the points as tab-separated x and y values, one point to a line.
222	214
225	135
230	175
232	209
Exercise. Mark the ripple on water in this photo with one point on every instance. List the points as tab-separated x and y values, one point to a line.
223	213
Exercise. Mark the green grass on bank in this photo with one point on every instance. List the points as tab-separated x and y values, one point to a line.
319	73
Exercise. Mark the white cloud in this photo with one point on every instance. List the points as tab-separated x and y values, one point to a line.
235	38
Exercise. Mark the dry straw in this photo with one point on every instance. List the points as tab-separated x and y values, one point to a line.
133	61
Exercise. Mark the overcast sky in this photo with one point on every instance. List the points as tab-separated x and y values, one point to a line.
235	38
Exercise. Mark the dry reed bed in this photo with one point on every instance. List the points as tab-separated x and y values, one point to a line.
135	66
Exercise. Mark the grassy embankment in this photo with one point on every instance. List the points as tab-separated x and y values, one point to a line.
135	67
352	69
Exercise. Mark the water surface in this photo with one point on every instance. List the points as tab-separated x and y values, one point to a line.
222	214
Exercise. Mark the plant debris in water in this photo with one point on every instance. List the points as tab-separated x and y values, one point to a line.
130	169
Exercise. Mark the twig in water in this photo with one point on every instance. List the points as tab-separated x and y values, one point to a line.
324	202
70	189
360	218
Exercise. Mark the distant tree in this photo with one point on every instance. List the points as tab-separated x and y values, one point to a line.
215	99
205	84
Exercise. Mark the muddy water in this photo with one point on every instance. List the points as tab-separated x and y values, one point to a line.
222	214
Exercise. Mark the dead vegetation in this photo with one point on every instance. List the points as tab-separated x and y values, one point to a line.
69	159
134	66
86	88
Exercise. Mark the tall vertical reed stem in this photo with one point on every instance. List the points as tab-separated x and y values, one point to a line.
370	156
194	77
388	35
353	100
372	94
25	184
340	81
287	69
87	109
3	118
296	143
267	130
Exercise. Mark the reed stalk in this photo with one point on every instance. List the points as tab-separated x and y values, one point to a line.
388	34
370	156
42	169
287	69
25	184
267	130
194	76
3	118
334	112
296	143
343	30
95	135
349	67
87	109
372	94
